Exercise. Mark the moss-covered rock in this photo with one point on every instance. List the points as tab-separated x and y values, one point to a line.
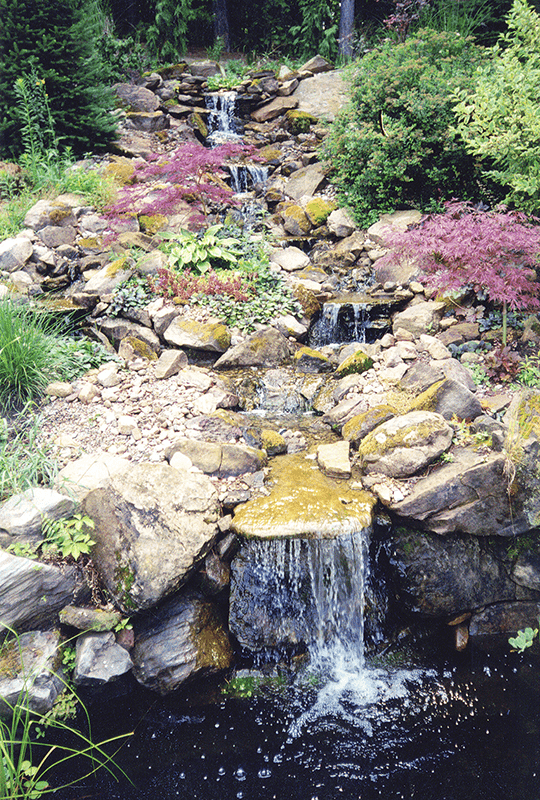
299	121
152	223
311	361
295	220
359	426
273	442
308	301
355	363
318	210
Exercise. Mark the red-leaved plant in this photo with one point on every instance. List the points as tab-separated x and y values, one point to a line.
190	172
493	252
183	285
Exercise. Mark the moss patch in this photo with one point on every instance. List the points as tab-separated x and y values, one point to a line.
355	363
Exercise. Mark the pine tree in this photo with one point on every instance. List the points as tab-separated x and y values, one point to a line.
56	38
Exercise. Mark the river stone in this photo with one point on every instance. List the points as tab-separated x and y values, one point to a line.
423	317
311	361
89	619
303	503
406	444
304	181
290	259
222	460
185	640
438	577
333	459
32	593
107	279
14	253
79	477
468	495
153	524
170	363
99	659
23	514
27	672
211	336
57	235
359	426
356	363
268	348
450	399
338	416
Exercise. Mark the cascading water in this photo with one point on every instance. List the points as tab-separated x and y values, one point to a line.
246	176
348	321
222	121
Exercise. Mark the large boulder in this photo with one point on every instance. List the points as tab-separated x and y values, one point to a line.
222	460
324	95
304	181
23	514
28	672
469	495
31	593
153	524
86	473
212	336
404	445
185	640
449	398
268	348
14	253
423	317
438	577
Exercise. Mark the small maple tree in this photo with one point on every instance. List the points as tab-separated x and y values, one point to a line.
191	172
494	252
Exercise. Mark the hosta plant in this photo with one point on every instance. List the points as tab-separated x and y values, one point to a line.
201	251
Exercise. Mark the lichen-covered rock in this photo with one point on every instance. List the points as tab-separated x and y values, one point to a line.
359	426
311	361
212	336
153	524
318	210
303	503
186	640
405	444
267	348
295	220
355	363
449	398
90	619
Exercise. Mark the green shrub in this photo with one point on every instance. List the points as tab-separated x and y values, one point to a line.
394	146
499	117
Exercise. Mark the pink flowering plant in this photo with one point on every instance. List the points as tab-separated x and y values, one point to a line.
493	252
191	173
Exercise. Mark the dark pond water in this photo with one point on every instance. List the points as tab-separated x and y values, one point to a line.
466	731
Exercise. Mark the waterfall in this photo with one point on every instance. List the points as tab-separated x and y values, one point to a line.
222	122
347	321
245	176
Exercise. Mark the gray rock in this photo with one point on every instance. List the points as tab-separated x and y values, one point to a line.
32	593
340	223
267	348
526	570
446	576
80	477
423	317
105	280
420	376
290	259
27	670
345	410
450	399
222	460
185	640
405	444
274	109
316	64
148	121
99	659
304	181
333	459
56	235
153	524
170	363
493	625
116	329
14	253
324	95
211	336
204	69
136	98
50	212
89	619
23	514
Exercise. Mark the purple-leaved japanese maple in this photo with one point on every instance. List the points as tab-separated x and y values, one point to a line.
492	251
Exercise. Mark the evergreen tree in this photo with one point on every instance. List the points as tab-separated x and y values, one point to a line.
56	38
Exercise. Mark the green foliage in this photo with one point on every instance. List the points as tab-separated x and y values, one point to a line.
232	73
529	372
25	461
37	129
200	251
25	761
123	58
318	29
57	38
167	36
67	537
467	17
478	372
524	639
84	354
132	293
499	117
395	144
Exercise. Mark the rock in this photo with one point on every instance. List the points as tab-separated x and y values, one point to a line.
273	442
390	223
274	109
356	363
493	625
311	361
522	447
31	594
22	515
14	253
340	223
303	502
445	577
295	220
359	426
404	445
211	336
344	411
170	363
204	69
526	570
108	375
289	326
50	212
152	526
221	460
420	376
455	371
468	495
106	279
333	459
290	259
324	95
89	619
304	181
56	235
238	459
27	672
80	477
186	640
423	317
116	329
87	392
436	349
450	399
316	64
318	210
148	121
59	389
127	426
267	348
99	659
136	98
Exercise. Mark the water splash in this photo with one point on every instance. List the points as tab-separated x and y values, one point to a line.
245	177
222	121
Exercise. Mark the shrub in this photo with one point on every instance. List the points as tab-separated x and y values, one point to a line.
499	117
394	145
493	252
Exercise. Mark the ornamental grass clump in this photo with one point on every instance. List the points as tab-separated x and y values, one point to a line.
493	252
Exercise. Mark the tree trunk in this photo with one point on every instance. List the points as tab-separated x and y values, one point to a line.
346	29
221	23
